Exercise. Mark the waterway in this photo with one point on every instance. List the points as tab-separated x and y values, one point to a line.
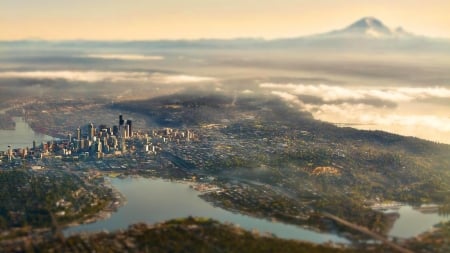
413	222
21	137
157	200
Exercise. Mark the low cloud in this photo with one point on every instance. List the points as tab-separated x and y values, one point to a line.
364	95
292	100
107	76
424	121
126	57
424	93
387	108
425	125
178	79
285	95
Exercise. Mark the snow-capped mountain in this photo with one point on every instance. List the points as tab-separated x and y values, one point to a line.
365	35
369	27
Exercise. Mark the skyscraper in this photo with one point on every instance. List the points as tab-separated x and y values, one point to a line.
121	121
125	131
78	133
130	131
91	131
9	153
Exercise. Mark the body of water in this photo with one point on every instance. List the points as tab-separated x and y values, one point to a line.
21	137
156	200
413	222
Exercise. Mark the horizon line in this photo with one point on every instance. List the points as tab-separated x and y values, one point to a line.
255	38
220	38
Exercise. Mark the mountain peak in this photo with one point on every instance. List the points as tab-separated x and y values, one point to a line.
367	22
369	27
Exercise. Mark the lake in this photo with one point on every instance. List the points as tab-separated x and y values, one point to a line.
413	222
21	137
157	200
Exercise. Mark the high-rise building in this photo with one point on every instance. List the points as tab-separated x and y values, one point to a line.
130	131
82	144
122	145
9	153
125	131
121	121
91	131
78	133
115	143
99	146
109	131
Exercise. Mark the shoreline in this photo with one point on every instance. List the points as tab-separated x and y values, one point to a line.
119	200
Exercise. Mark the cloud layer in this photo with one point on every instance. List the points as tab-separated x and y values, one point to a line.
126	57
107	76
386	108
330	93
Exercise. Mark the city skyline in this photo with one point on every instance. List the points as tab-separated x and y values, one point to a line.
148	20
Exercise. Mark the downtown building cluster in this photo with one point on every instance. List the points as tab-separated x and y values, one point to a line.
90	141
96	141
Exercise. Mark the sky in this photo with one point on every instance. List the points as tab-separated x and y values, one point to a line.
193	19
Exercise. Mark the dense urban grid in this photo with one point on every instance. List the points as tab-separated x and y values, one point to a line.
249	163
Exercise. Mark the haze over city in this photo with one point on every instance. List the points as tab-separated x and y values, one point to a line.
234	126
172	19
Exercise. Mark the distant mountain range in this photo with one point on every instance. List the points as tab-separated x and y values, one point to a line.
366	34
370	27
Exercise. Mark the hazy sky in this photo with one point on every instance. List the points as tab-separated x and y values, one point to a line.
171	19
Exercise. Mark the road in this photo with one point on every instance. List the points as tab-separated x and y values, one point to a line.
367	232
